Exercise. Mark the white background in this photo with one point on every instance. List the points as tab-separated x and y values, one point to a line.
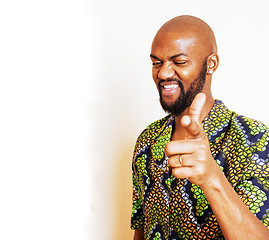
75	92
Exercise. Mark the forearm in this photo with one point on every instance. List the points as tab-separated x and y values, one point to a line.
235	219
139	235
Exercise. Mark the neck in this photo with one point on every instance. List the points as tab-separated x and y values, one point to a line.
179	132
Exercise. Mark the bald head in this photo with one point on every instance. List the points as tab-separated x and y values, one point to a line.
184	57
191	27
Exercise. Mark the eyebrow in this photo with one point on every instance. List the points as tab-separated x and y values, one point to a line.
179	55
175	56
152	56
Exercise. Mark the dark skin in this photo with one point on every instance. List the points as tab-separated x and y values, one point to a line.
178	51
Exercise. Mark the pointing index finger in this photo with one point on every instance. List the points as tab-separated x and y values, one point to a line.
197	107
191	122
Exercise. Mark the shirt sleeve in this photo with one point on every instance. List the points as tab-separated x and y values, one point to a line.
253	189
137	219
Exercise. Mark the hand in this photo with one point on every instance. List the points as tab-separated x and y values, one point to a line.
191	158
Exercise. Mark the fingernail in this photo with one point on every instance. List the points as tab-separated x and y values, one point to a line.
186	120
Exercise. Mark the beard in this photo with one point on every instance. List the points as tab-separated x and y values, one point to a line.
185	98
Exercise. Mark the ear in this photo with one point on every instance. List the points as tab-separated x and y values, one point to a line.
212	63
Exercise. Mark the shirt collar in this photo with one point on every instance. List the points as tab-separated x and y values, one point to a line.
169	123
215	122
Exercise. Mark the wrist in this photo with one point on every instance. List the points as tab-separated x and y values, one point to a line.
215	181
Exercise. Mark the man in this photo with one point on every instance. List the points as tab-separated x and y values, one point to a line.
202	171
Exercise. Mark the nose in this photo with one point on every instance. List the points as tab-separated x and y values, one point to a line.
166	71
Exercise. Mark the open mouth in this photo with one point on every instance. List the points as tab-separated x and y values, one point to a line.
168	88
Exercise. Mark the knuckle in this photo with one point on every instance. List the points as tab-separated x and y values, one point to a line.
170	162
196	132
194	110
202	147
199	171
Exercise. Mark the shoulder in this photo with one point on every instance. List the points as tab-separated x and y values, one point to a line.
251	128
251	133
253	125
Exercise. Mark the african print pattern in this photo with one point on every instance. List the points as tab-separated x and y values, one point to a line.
170	209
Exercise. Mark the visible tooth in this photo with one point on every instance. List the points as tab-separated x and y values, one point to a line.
170	86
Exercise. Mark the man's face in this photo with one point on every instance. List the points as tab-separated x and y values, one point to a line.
185	97
179	71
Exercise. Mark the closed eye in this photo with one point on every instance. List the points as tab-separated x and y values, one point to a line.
156	64
180	63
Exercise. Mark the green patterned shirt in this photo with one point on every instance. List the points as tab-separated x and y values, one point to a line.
170	209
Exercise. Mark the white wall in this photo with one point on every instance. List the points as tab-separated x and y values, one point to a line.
76	90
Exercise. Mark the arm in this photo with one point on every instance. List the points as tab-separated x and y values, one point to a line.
139	235
191	158
234	217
